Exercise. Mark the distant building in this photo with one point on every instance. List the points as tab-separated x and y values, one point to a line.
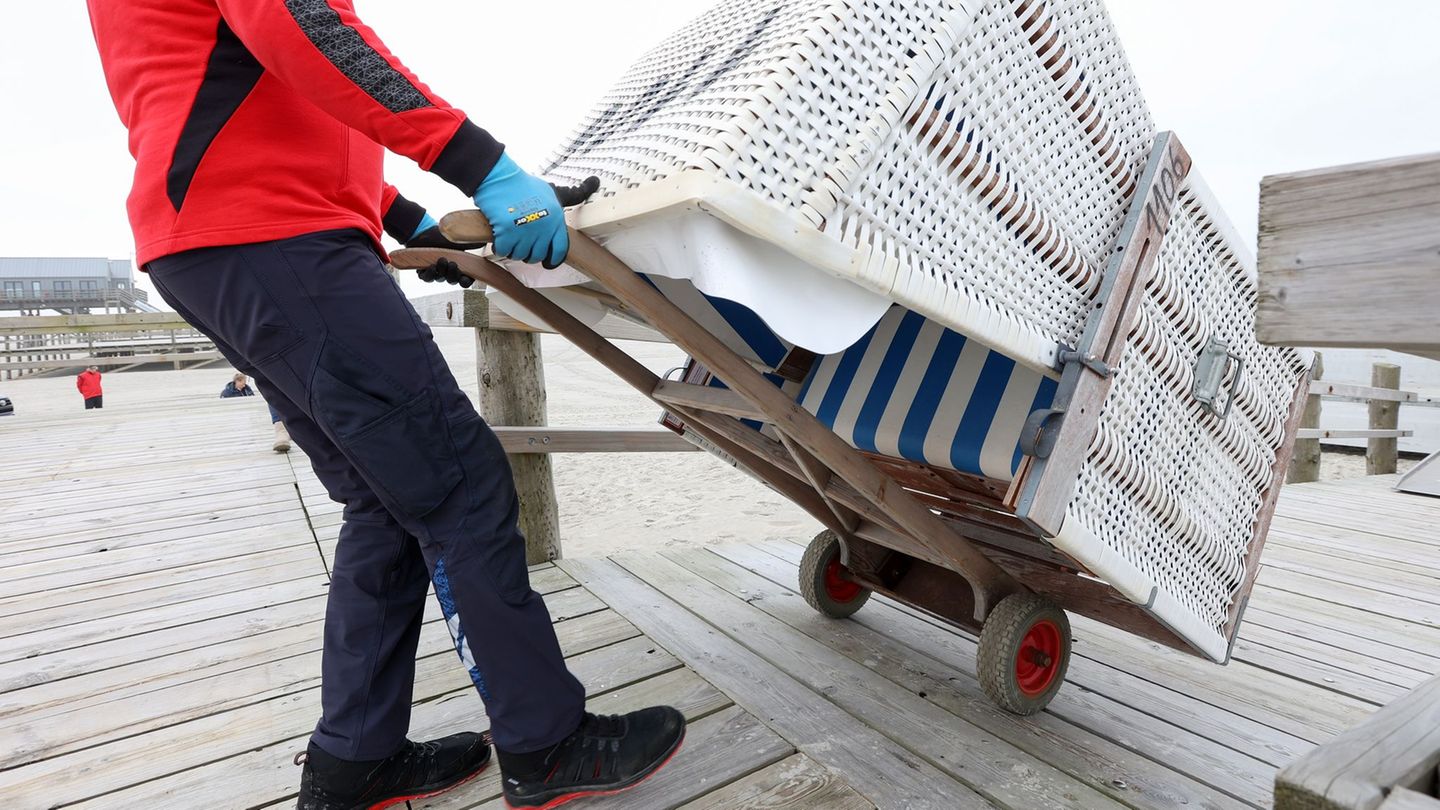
70	286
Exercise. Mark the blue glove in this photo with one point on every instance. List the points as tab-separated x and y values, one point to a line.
525	214
425	224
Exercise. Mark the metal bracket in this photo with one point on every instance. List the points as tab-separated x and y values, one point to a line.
1212	368
1067	356
1038	436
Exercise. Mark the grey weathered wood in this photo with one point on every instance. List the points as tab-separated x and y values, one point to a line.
872	763
1359	433
472	308
1406	799
1398	746
1362	393
512	393
518	440
1382	453
49	324
1305	461
989	766
1086	757
1350	256
118	360
796	783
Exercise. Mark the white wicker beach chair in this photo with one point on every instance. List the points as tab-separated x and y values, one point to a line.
951	233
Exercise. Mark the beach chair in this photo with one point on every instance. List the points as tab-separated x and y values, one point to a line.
945	287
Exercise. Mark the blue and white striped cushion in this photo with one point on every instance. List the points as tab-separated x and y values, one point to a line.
909	389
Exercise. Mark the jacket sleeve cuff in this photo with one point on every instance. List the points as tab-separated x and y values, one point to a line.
467	160
402	218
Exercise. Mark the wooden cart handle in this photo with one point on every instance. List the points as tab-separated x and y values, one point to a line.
472	227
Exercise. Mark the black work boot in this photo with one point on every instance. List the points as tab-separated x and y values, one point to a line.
416	771
606	754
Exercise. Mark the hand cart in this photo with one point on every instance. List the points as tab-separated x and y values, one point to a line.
1153	443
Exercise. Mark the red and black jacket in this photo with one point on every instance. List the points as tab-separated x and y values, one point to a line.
253	120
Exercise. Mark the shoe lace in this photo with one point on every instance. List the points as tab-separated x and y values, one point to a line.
603	725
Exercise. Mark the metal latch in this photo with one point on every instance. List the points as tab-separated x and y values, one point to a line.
1211	371
1041	431
1068	355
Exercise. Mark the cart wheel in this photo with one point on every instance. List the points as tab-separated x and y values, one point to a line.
1024	652
824	581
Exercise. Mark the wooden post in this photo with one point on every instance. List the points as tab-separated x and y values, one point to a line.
1306	465
1381	455
512	393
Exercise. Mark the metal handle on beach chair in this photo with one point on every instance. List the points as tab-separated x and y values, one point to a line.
472	226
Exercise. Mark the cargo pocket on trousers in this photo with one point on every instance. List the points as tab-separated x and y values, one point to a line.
404	450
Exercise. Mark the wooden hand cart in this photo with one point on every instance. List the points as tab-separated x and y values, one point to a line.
967	549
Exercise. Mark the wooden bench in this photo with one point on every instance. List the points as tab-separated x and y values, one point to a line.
1387	762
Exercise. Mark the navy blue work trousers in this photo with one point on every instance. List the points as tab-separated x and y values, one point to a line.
428	494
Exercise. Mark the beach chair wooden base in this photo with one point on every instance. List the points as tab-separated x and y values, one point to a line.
968	550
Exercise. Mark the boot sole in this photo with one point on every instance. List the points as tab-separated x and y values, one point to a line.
394	800
583	794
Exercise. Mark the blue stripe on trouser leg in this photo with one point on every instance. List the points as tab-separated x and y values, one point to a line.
452	622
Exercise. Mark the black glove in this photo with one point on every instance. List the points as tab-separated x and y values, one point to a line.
445	270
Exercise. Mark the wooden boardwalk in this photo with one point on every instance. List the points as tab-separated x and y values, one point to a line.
162	584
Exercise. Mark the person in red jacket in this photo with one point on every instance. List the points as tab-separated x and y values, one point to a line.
258	129
88	382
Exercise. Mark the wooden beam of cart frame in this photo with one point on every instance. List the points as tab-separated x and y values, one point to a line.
918	523
1045	486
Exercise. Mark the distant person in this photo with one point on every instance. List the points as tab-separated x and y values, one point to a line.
88	382
240	387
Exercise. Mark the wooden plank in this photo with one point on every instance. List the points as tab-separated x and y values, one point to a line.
1358	433
1406	799
517	440
988	765
1348	256
473	308
872	763
117	360
241	756
1359	392
1399	745
1073	748
42	324
1245	692
706	398
796	783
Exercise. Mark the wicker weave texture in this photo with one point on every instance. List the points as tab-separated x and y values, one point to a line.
977	157
1172	488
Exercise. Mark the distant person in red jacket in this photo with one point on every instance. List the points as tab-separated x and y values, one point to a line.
88	381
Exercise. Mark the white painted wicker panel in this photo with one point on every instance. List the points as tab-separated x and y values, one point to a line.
1173	489
975	160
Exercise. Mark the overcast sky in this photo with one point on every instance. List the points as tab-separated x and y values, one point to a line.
1253	87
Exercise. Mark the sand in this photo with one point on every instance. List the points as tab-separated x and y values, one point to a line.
609	503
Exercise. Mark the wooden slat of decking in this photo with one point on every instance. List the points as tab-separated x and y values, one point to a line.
874	765
1004	774
1084	756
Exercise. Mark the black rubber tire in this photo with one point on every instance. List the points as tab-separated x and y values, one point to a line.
818	555
1000	642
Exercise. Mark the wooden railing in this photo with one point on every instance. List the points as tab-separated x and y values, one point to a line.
512	399
1382	437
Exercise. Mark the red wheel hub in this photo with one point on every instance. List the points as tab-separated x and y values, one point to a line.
837	585
1038	661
